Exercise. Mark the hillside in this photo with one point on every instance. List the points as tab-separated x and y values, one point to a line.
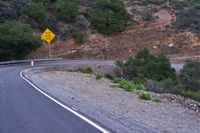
102	29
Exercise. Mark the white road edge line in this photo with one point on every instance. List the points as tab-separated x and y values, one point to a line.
64	106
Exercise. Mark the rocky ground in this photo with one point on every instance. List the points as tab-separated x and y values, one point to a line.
167	116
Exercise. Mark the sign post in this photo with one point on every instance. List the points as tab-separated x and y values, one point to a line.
48	36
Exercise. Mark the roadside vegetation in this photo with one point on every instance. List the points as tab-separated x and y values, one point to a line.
16	40
147	73
155	73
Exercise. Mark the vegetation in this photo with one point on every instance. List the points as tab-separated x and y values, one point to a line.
190	75
87	70
67	9
109	16
78	35
108	76
99	76
147	66
16	40
156	74
188	14
156	100
144	95
36	10
128	85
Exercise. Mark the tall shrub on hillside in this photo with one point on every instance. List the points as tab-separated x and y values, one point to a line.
67	9
16	40
190	75
109	16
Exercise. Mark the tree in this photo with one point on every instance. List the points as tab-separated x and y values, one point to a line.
190	75
109	16
16	40
67	9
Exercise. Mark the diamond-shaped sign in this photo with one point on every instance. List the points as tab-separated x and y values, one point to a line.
48	35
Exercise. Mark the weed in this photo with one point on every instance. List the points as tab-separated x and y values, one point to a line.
144	95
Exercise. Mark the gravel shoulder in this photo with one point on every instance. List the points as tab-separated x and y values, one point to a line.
165	116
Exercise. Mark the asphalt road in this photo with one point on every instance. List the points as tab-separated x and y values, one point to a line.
25	110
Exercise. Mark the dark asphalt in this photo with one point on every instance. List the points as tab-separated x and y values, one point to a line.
25	110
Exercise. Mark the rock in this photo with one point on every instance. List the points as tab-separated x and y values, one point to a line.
186	102
171	45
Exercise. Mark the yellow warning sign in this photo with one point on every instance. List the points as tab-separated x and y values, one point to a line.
48	35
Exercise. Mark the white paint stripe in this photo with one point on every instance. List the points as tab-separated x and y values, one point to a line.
64	106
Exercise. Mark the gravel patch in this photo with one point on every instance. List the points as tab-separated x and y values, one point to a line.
166	116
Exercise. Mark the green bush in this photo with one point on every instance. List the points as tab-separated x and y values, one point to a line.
144	95
36	10
192	94
67	9
77	35
190	75
99	76
16	40
188	14
88	70
108	76
128	85
109	16
156	100
147	66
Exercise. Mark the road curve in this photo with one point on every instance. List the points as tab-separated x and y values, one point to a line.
25	110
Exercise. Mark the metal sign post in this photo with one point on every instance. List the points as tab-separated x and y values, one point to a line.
49	44
48	36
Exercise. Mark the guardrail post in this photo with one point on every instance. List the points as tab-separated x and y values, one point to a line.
32	63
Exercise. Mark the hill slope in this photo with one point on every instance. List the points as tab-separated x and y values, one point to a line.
97	29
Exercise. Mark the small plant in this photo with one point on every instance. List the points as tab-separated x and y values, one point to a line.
99	76
156	100
88	70
108	76
144	95
128	85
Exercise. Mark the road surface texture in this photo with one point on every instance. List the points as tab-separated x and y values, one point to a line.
25	110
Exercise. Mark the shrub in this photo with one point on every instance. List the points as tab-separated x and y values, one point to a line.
16	40
128	85
108	76
36	10
148	66
67	9
188	14
99	76
109	17
191	94
77	35
156	100
190	75
144	95
88	70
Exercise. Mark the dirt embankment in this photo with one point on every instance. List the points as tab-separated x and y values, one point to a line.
157	35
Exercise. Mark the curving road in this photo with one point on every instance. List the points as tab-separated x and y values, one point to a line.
25	110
